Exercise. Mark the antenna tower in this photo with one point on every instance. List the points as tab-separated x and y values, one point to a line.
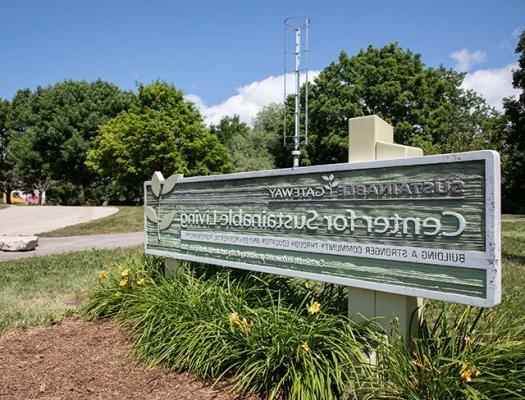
296	57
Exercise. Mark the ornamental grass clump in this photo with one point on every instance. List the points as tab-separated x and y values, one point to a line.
463	354
117	280
290	354
238	328
214	328
291	339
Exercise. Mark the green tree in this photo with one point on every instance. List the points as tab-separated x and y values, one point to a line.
162	132
248	148
269	124
513	152
229	128
51	130
28	170
426	106
4	140
13	126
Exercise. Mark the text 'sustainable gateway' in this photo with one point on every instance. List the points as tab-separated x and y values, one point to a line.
425	227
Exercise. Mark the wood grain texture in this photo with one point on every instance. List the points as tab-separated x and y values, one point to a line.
252	196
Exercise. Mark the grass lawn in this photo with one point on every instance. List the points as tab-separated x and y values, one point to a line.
513	237
42	290
126	219
513	253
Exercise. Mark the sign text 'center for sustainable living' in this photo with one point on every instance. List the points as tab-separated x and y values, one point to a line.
425	227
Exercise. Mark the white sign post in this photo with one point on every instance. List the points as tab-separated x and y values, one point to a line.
371	138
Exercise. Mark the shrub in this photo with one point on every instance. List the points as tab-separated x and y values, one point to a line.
69	194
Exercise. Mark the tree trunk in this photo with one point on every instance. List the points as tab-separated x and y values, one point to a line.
8	194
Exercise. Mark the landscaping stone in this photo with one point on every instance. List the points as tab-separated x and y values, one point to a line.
18	243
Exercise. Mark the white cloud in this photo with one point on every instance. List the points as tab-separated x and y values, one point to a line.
249	100
493	84
196	100
466	59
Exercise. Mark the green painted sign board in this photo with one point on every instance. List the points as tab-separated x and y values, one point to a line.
424	227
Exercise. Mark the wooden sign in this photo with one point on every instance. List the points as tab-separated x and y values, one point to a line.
424	227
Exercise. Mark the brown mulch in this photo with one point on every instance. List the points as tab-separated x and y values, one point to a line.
86	360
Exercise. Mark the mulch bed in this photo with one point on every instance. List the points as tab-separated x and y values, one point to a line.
86	360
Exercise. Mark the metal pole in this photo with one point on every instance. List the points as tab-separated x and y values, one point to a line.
284	93
307	23
296	152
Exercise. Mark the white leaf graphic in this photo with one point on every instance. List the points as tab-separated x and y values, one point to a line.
325	178
170	183
157	182
150	214
331	177
167	220
335	184
327	187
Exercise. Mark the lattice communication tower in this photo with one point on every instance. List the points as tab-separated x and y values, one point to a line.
296	73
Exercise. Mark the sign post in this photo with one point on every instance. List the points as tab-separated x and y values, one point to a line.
371	138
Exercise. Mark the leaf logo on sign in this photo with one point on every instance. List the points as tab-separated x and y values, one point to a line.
331	184
159	187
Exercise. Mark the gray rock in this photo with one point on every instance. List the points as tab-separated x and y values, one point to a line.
18	243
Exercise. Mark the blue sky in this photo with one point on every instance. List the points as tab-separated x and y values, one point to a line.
217	51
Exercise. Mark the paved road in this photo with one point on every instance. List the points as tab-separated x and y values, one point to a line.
54	245
30	220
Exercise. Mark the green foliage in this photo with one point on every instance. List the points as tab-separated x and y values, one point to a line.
162	132
456	358
263	334
269	124
238	326
426	106
89	194
513	152
4	140
249	148
118	280
51	129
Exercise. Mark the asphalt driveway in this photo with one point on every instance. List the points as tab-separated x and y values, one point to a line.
55	245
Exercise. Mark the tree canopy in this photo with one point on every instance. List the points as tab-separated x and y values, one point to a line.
89	142
425	105
513	151
161	132
249	148
4	140
50	132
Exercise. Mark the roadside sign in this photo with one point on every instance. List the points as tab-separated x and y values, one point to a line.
423	227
